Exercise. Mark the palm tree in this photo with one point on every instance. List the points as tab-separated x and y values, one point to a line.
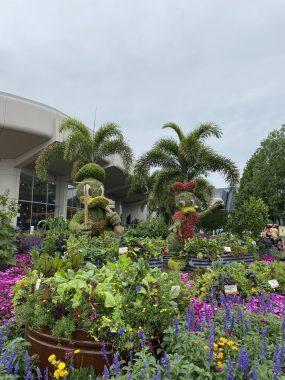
83	146
186	159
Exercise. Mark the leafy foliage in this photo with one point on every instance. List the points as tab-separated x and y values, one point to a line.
187	159
250	217
84	146
249	280
90	170
8	210
214	220
264	174
152	227
111	304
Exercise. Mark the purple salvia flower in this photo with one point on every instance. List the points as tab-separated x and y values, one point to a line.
254	375
17	368
39	374
29	375
157	376
212	340
131	356
283	329
263	346
106	373
121	331
190	318
230	369
46	374
165	362
116	363
27	361
129	374
142	337
104	353
176	325
277	360
227	316
243	360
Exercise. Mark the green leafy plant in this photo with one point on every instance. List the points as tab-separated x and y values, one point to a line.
249	218
203	248
151	228
8	210
111	304
250	280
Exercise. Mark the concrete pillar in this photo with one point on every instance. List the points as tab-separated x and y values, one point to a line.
61	196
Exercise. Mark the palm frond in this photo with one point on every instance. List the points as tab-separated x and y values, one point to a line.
204	192
214	162
167	145
176	128
107	131
206	130
154	158
163	177
46	157
117	146
77	146
73	125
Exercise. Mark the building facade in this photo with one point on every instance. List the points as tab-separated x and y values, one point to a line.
26	128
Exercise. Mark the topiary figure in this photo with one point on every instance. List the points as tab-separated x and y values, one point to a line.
96	216
186	217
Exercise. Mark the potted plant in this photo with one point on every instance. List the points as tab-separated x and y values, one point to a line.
121	303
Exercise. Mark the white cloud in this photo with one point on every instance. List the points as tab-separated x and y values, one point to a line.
142	63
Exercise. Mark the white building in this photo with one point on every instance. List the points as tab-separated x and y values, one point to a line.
27	127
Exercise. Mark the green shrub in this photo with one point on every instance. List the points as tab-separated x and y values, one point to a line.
8	210
90	170
153	227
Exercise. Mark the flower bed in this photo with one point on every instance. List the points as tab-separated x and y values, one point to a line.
8	279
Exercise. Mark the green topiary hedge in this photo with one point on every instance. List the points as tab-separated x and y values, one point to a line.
90	170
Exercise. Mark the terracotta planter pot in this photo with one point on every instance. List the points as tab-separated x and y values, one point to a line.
43	344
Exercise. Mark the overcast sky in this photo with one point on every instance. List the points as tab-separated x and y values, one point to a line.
142	63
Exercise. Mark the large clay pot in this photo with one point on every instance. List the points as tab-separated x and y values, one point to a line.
43	344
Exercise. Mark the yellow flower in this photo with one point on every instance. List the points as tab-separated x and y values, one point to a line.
223	340
52	358
77	351
206	347
56	373
219	364
63	373
54	362
220	355
215	346
61	366
234	348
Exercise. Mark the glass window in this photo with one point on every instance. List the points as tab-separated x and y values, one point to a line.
50	211
36	200
39	212
51	192
24	215
39	191
26	185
